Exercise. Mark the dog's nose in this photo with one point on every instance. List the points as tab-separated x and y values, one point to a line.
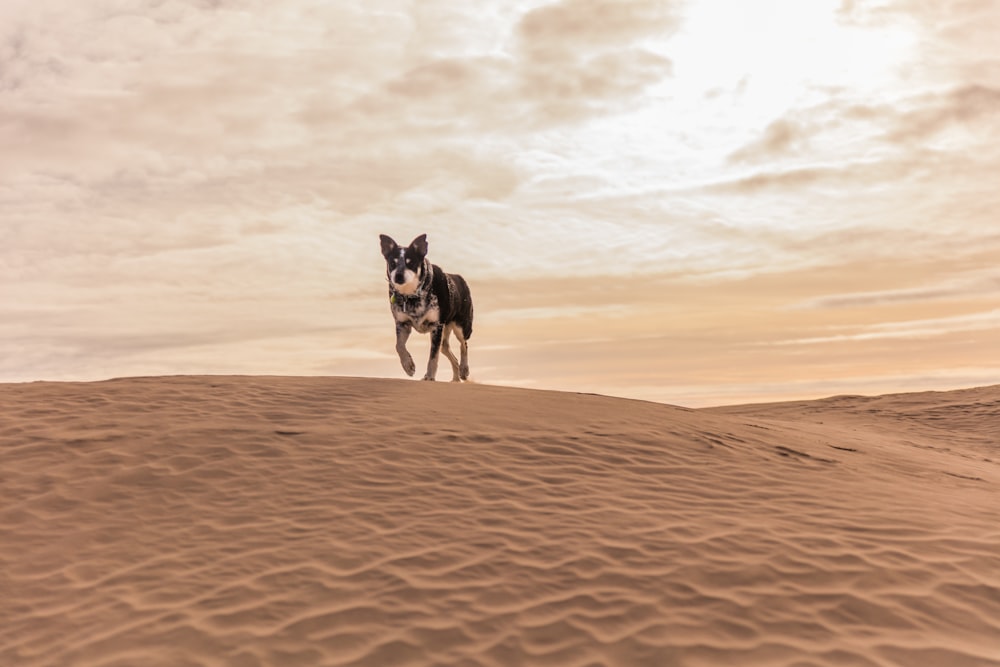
399	278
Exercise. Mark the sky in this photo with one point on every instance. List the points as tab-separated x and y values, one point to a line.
697	202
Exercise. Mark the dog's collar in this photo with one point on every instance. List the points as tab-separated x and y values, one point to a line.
405	299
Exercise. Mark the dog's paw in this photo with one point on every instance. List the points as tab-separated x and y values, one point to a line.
464	372
408	366
428	378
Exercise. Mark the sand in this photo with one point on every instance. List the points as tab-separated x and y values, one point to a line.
338	521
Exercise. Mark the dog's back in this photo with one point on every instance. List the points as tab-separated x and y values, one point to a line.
454	299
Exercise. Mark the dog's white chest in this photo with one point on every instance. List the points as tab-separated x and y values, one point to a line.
428	321
424	316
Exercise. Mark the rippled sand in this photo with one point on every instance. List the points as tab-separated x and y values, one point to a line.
334	521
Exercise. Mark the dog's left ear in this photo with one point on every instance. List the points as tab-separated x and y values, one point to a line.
389	246
420	245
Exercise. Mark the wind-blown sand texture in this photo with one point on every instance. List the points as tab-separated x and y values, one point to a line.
332	521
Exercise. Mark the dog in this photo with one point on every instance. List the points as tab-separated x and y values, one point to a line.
425	298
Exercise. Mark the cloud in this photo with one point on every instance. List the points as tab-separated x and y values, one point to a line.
181	80
939	326
944	16
174	127
584	57
844	143
975	286
797	177
440	99
188	105
558	29
974	108
909	122
957	39
566	62
570	91
781	138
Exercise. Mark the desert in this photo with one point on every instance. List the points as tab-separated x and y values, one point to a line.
265	520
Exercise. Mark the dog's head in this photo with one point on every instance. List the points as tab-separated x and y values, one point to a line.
404	266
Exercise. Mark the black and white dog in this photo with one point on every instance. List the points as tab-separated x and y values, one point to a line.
425	298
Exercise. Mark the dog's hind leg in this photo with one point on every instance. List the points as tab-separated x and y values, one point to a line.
402	334
432	364
446	348
463	368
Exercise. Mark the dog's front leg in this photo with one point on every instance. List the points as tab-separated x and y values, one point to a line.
402	334
432	363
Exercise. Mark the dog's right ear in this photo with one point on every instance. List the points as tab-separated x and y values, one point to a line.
389	246
419	244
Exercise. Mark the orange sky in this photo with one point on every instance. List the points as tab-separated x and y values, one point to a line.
695	202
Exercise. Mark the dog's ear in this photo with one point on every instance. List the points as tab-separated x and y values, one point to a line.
388	245
419	244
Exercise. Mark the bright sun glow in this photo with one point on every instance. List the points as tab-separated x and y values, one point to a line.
737	67
775	49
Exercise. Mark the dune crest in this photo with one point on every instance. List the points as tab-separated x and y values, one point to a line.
346	521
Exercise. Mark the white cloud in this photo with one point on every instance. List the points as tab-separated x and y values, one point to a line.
964	286
940	326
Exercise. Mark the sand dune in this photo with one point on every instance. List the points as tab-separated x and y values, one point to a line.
331	521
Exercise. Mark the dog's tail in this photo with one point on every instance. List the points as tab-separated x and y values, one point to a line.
465	305
467	325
